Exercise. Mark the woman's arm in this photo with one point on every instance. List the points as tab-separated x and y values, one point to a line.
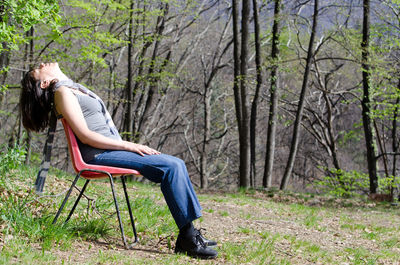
67	104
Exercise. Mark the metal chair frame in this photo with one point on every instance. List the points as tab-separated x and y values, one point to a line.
89	172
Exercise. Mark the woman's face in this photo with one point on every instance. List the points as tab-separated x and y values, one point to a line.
45	73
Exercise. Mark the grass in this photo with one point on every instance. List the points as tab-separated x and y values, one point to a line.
252	227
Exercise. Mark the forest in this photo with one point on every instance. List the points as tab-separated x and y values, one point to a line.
273	94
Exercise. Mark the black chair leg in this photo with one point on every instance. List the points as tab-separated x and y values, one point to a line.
65	199
77	200
118	213
123	178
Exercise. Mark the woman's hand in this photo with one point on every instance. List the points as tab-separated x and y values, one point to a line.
141	149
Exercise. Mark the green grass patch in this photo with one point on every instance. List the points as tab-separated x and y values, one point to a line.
92	229
245	230
311	252
223	213
252	252
361	256
312	220
392	242
16	216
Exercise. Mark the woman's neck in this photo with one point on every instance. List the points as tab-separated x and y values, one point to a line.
61	76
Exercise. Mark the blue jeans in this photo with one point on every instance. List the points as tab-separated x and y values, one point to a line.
168	170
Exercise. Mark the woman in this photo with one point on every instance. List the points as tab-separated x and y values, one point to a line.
101	144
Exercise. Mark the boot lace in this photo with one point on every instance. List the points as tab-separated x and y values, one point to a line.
199	238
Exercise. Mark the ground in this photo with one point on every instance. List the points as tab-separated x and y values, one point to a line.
254	227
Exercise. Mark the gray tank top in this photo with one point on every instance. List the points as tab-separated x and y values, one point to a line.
95	120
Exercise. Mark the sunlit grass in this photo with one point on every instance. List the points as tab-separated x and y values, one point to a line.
392	242
223	213
252	252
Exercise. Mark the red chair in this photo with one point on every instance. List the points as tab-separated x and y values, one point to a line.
89	172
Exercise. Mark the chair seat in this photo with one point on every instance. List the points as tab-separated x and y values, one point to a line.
114	171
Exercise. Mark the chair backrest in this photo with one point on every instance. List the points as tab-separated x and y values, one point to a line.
79	164
74	151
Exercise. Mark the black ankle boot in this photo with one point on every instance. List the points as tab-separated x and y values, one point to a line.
194	246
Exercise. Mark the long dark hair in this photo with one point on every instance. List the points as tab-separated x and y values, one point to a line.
35	103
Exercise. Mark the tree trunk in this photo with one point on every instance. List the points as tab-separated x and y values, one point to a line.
236	69
300	108
244	140
367	101
206	137
236	61
273	108
254	105
239	88
331	134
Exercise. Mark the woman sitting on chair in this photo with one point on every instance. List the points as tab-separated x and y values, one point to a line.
101	144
